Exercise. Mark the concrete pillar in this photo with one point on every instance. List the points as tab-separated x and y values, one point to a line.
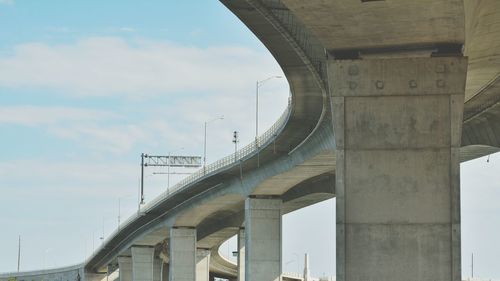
142	263
241	255
262	239
125	268
397	126
202	264
157	269
164	271
182	254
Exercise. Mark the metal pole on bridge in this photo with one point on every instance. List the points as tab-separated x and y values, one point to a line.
19	254
142	178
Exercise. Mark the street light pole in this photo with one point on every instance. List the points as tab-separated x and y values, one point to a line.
19	254
205	140
257	86
205	147
119	212
142	178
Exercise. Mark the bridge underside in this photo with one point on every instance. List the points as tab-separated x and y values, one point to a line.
395	74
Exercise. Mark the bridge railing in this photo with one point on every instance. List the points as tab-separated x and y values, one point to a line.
231	159
225	162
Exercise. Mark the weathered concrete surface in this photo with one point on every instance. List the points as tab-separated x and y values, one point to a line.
482	43
263	239
241	255
397	125
142	263
202	264
182	254
165	269
157	269
125	269
65	273
341	24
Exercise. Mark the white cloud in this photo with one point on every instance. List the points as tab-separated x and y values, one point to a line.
116	139
107	66
28	115
7	2
127	29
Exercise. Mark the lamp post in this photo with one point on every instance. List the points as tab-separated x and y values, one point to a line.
205	140
258	84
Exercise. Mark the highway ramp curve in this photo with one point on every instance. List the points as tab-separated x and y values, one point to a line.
295	160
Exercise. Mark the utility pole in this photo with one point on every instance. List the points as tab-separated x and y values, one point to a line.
19	254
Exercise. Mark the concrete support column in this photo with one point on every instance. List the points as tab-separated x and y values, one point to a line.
142	263
202	264
397	126
164	271
125	268
157	269
262	239
241	255
182	254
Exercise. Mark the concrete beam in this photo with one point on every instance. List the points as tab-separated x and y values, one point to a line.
182	254
397	126
262	239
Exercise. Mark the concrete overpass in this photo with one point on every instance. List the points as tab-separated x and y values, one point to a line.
387	99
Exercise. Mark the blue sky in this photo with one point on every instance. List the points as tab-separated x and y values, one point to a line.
86	86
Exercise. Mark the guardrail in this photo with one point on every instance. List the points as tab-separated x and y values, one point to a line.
212	168
233	158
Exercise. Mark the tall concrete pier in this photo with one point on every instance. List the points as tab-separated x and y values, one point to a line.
397	126
263	239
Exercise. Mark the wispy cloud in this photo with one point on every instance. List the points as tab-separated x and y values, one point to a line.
108	66
7	2
28	115
59	29
127	29
87	178
117	139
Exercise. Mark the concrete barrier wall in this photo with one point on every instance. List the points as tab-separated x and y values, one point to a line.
71	273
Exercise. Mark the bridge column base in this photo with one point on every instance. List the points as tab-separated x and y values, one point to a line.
397	125
262	239
182	265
